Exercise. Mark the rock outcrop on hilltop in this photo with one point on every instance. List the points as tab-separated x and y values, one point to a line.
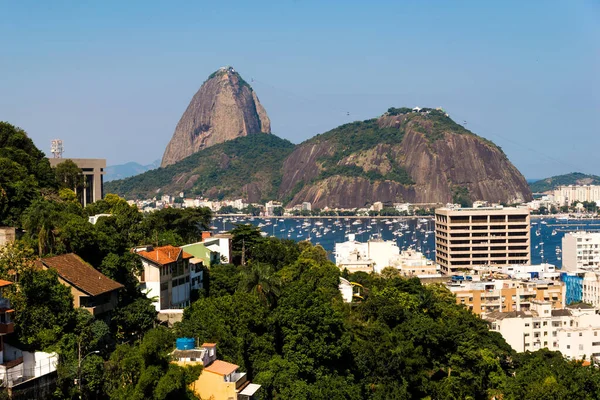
224	108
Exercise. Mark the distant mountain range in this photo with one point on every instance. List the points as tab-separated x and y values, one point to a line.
574	178
122	171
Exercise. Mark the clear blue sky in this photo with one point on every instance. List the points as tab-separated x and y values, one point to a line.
112	78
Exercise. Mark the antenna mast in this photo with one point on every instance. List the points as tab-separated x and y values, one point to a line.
57	148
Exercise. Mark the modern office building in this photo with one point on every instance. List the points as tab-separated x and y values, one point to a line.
581	250
471	237
93	171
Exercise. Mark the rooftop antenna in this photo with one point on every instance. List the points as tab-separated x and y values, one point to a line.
57	148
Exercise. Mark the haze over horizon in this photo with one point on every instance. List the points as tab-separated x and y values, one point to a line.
113	79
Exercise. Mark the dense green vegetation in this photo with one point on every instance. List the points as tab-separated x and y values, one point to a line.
24	173
217	172
280	316
574	178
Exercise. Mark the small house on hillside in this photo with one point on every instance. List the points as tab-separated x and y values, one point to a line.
91	289
166	276
219	380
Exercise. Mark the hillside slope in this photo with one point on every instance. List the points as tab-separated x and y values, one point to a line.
574	178
224	108
247	167
403	156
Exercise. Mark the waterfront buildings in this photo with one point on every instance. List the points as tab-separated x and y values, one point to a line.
468	237
376	254
574	330
165	276
581	250
91	289
566	195
505	295
93	172
219	380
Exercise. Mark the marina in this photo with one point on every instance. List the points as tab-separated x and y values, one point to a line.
417	233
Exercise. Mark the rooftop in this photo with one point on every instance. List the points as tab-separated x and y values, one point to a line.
165	255
80	274
221	367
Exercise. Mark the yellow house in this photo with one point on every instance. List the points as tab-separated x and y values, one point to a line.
219	380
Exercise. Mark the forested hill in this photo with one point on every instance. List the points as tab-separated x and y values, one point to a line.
246	167
401	156
574	178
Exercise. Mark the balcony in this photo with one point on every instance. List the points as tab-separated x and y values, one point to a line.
6	328
239	378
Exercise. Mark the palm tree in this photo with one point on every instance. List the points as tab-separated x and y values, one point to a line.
262	279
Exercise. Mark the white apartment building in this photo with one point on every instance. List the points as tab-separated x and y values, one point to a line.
573	330
468	237
566	195
166	276
413	263
581	250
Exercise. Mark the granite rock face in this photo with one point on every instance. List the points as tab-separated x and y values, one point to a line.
436	157
224	108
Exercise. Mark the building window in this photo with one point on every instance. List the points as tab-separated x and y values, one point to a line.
580	334
568	335
580	347
568	347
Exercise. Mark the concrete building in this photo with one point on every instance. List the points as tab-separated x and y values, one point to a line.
7	235
219	243
506	295
574	330
219	380
468	237
202	259
93	171
166	276
18	369
566	195
581	250
376	254
413	263
91	289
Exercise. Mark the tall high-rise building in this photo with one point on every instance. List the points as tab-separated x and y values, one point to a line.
471	237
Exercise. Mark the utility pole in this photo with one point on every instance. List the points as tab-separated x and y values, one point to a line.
80	360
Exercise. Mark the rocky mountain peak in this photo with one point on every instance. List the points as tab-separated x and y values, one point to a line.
224	108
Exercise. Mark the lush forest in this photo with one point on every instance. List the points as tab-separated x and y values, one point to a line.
574	178
217	172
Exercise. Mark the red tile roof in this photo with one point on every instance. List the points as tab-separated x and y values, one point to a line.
221	367
80	274
4	283
165	255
